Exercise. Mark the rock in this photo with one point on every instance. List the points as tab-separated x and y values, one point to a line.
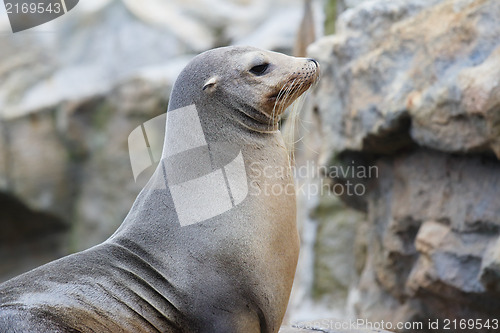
490	267
283	32
55	90
170	15
35	164
264	24
28	238
95	58
78	145
343	5
335	253
411	87
107	188
399	71
431	228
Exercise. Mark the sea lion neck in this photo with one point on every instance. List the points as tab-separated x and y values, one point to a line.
224	114
250	118
193	126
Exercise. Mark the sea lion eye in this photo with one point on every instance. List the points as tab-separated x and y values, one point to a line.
259	69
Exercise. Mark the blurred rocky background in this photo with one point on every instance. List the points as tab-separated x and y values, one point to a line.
409	90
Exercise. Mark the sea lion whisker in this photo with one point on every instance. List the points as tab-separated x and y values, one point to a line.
280	94
287	95
277	102
293	119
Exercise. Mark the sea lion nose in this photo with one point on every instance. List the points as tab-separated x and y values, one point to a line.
315	62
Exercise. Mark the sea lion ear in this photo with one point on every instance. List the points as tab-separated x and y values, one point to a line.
210	84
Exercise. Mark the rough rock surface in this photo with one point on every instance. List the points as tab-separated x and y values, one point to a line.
395	61
412	88
336	228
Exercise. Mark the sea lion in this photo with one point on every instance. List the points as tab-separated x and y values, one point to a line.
202	249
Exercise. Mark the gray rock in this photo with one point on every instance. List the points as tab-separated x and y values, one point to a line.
396	67
335	252
28	238
411	87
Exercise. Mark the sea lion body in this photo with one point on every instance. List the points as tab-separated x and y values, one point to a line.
163	270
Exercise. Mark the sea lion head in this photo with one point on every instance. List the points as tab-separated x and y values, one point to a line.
255	85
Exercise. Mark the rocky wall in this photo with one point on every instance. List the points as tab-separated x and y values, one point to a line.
412	88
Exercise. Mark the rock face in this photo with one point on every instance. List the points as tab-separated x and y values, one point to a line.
28	237
412	87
